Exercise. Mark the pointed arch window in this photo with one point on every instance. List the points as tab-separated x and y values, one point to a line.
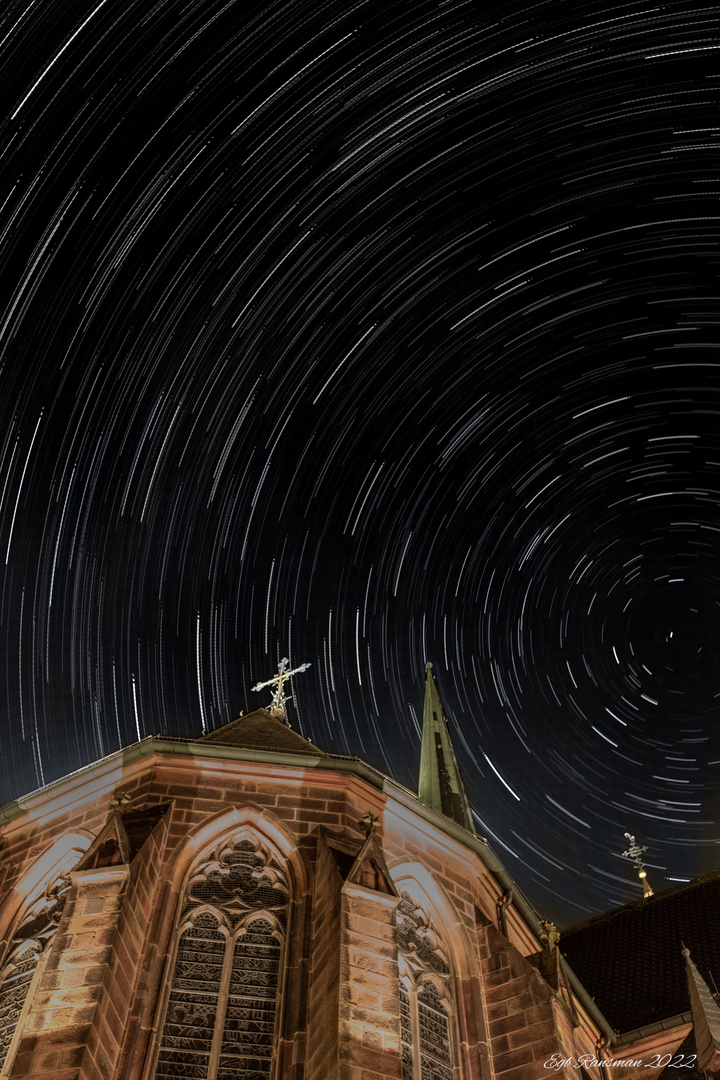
22	959
427	1012
220	1017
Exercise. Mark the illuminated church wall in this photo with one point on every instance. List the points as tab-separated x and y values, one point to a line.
227	916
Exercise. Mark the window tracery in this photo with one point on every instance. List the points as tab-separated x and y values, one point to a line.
426	1006
22	957
221	1012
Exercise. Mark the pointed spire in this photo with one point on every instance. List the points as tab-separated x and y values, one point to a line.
705	1017
440	785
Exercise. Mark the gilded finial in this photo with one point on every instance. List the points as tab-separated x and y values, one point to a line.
550	935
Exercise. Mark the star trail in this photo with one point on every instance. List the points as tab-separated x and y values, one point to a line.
368	334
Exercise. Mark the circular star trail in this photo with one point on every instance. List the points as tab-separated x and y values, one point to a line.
368	334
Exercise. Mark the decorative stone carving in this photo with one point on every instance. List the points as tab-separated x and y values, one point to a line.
425	996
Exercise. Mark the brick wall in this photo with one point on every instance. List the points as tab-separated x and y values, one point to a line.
521	1022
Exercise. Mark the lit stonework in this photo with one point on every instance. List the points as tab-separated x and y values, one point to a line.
426	1000
22	957
245	906
248	906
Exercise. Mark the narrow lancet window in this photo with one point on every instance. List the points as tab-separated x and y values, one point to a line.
221	1013
426	1005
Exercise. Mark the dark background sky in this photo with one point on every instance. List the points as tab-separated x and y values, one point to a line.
371	333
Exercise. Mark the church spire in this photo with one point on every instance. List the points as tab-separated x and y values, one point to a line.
440	784
705	1018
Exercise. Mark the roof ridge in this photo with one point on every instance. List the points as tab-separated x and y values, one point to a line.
643	902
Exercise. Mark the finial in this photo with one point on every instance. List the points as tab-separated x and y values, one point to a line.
279	697
120	800
368	823
550	935
634	852
428	666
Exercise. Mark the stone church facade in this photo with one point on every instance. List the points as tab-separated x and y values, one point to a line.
247	907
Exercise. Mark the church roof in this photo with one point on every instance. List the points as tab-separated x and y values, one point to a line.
261	730
440	784
630	960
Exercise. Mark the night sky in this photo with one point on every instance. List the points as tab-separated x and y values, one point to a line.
368	334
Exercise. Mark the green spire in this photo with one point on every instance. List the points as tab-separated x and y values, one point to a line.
440	785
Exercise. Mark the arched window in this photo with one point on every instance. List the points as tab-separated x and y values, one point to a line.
221	1011
426	1003
21	959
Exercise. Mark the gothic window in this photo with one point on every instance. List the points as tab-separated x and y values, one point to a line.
426	1006
221	1011
22	958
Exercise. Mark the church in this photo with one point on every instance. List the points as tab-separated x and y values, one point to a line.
246	906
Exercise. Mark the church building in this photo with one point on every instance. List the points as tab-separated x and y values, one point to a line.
246	906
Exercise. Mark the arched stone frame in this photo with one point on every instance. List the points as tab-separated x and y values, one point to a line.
28	921
59	857
414	879
231	827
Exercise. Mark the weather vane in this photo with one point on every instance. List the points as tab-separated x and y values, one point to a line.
279	697
634	852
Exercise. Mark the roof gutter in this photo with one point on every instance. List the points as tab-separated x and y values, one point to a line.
626	1037
588	1003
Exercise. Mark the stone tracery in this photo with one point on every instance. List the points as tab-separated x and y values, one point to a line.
221	1012
425	996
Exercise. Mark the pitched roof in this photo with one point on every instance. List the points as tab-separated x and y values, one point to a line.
630	960
261	730
440	784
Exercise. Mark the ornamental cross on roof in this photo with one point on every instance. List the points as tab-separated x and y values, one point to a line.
634	852
279	697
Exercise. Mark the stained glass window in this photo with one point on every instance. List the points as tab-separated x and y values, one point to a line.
425	997
222	1006
29	943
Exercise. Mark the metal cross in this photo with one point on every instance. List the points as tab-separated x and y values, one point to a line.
279	696
634	851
